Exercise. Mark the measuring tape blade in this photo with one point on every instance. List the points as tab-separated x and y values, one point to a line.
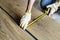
39	18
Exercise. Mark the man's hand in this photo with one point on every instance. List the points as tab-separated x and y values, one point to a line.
25	20
54	8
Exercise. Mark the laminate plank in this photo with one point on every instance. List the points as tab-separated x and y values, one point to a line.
9	30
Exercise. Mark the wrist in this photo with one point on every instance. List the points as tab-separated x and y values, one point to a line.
27	12
57	4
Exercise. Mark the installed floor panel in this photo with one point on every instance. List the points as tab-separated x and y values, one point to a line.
9	30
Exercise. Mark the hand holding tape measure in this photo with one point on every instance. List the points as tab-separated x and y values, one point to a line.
27	17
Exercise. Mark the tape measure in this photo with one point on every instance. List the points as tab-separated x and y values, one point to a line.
39	18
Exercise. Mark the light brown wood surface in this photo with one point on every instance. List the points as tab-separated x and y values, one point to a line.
46	29
9	30
17	8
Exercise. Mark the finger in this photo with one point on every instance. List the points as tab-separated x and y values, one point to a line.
21	23
25	26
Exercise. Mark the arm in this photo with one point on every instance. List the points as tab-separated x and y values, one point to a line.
29	5
27	17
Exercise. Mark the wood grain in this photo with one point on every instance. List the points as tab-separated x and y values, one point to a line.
9	30
16	8
46	29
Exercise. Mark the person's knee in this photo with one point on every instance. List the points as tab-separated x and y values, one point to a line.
45	3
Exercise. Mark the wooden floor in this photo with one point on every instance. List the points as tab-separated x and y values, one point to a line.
9	30
45	29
